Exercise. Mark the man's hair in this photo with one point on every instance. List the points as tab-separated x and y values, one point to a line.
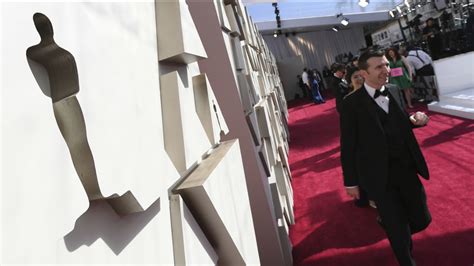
364	57
337	67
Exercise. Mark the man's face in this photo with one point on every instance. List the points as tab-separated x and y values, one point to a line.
377	73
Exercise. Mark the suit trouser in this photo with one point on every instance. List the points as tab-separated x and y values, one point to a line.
403	210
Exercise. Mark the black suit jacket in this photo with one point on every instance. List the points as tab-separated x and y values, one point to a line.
364	151
339	89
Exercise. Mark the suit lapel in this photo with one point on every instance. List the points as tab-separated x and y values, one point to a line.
394	93
397	106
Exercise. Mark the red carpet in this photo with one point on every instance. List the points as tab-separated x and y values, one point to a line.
330	230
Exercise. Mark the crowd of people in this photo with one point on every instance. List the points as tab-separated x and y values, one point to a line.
411	70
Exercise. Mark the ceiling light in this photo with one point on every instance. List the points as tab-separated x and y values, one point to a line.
363	3
275	35
391	13
345	21
335	28
407	4
399	9
419	5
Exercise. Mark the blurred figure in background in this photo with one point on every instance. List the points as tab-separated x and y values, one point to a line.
422	65
338	85
354	78
401	73
302	86
315	92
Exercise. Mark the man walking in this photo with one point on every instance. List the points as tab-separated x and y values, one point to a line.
380	154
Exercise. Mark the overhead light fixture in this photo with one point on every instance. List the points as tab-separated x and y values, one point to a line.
335	28
399	9
419	5
391	13
344	20
275	35
363	3
407	4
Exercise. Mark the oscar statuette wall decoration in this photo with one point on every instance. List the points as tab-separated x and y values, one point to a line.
55	71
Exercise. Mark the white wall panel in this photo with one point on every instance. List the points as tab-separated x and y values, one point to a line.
114	45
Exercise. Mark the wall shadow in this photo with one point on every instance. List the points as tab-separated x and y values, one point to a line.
336	224
101	221
317	163
449	134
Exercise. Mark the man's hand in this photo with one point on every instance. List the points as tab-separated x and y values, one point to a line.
353	192
419	119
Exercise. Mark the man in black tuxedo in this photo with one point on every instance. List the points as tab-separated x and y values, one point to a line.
380	154
338	85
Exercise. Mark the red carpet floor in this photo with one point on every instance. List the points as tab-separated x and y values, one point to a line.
330	230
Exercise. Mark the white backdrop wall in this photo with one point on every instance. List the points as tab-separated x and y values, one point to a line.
115	48
318	48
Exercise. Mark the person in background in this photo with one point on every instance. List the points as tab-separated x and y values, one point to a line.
355	61
401	73
354	78
302	86
338	85
319	77
431	33
305	78
422	65
379	153
315	92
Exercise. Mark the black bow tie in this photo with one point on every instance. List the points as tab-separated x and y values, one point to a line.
379	92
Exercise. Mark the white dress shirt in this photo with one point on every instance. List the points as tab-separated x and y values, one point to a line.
416	62
304	77
381	101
